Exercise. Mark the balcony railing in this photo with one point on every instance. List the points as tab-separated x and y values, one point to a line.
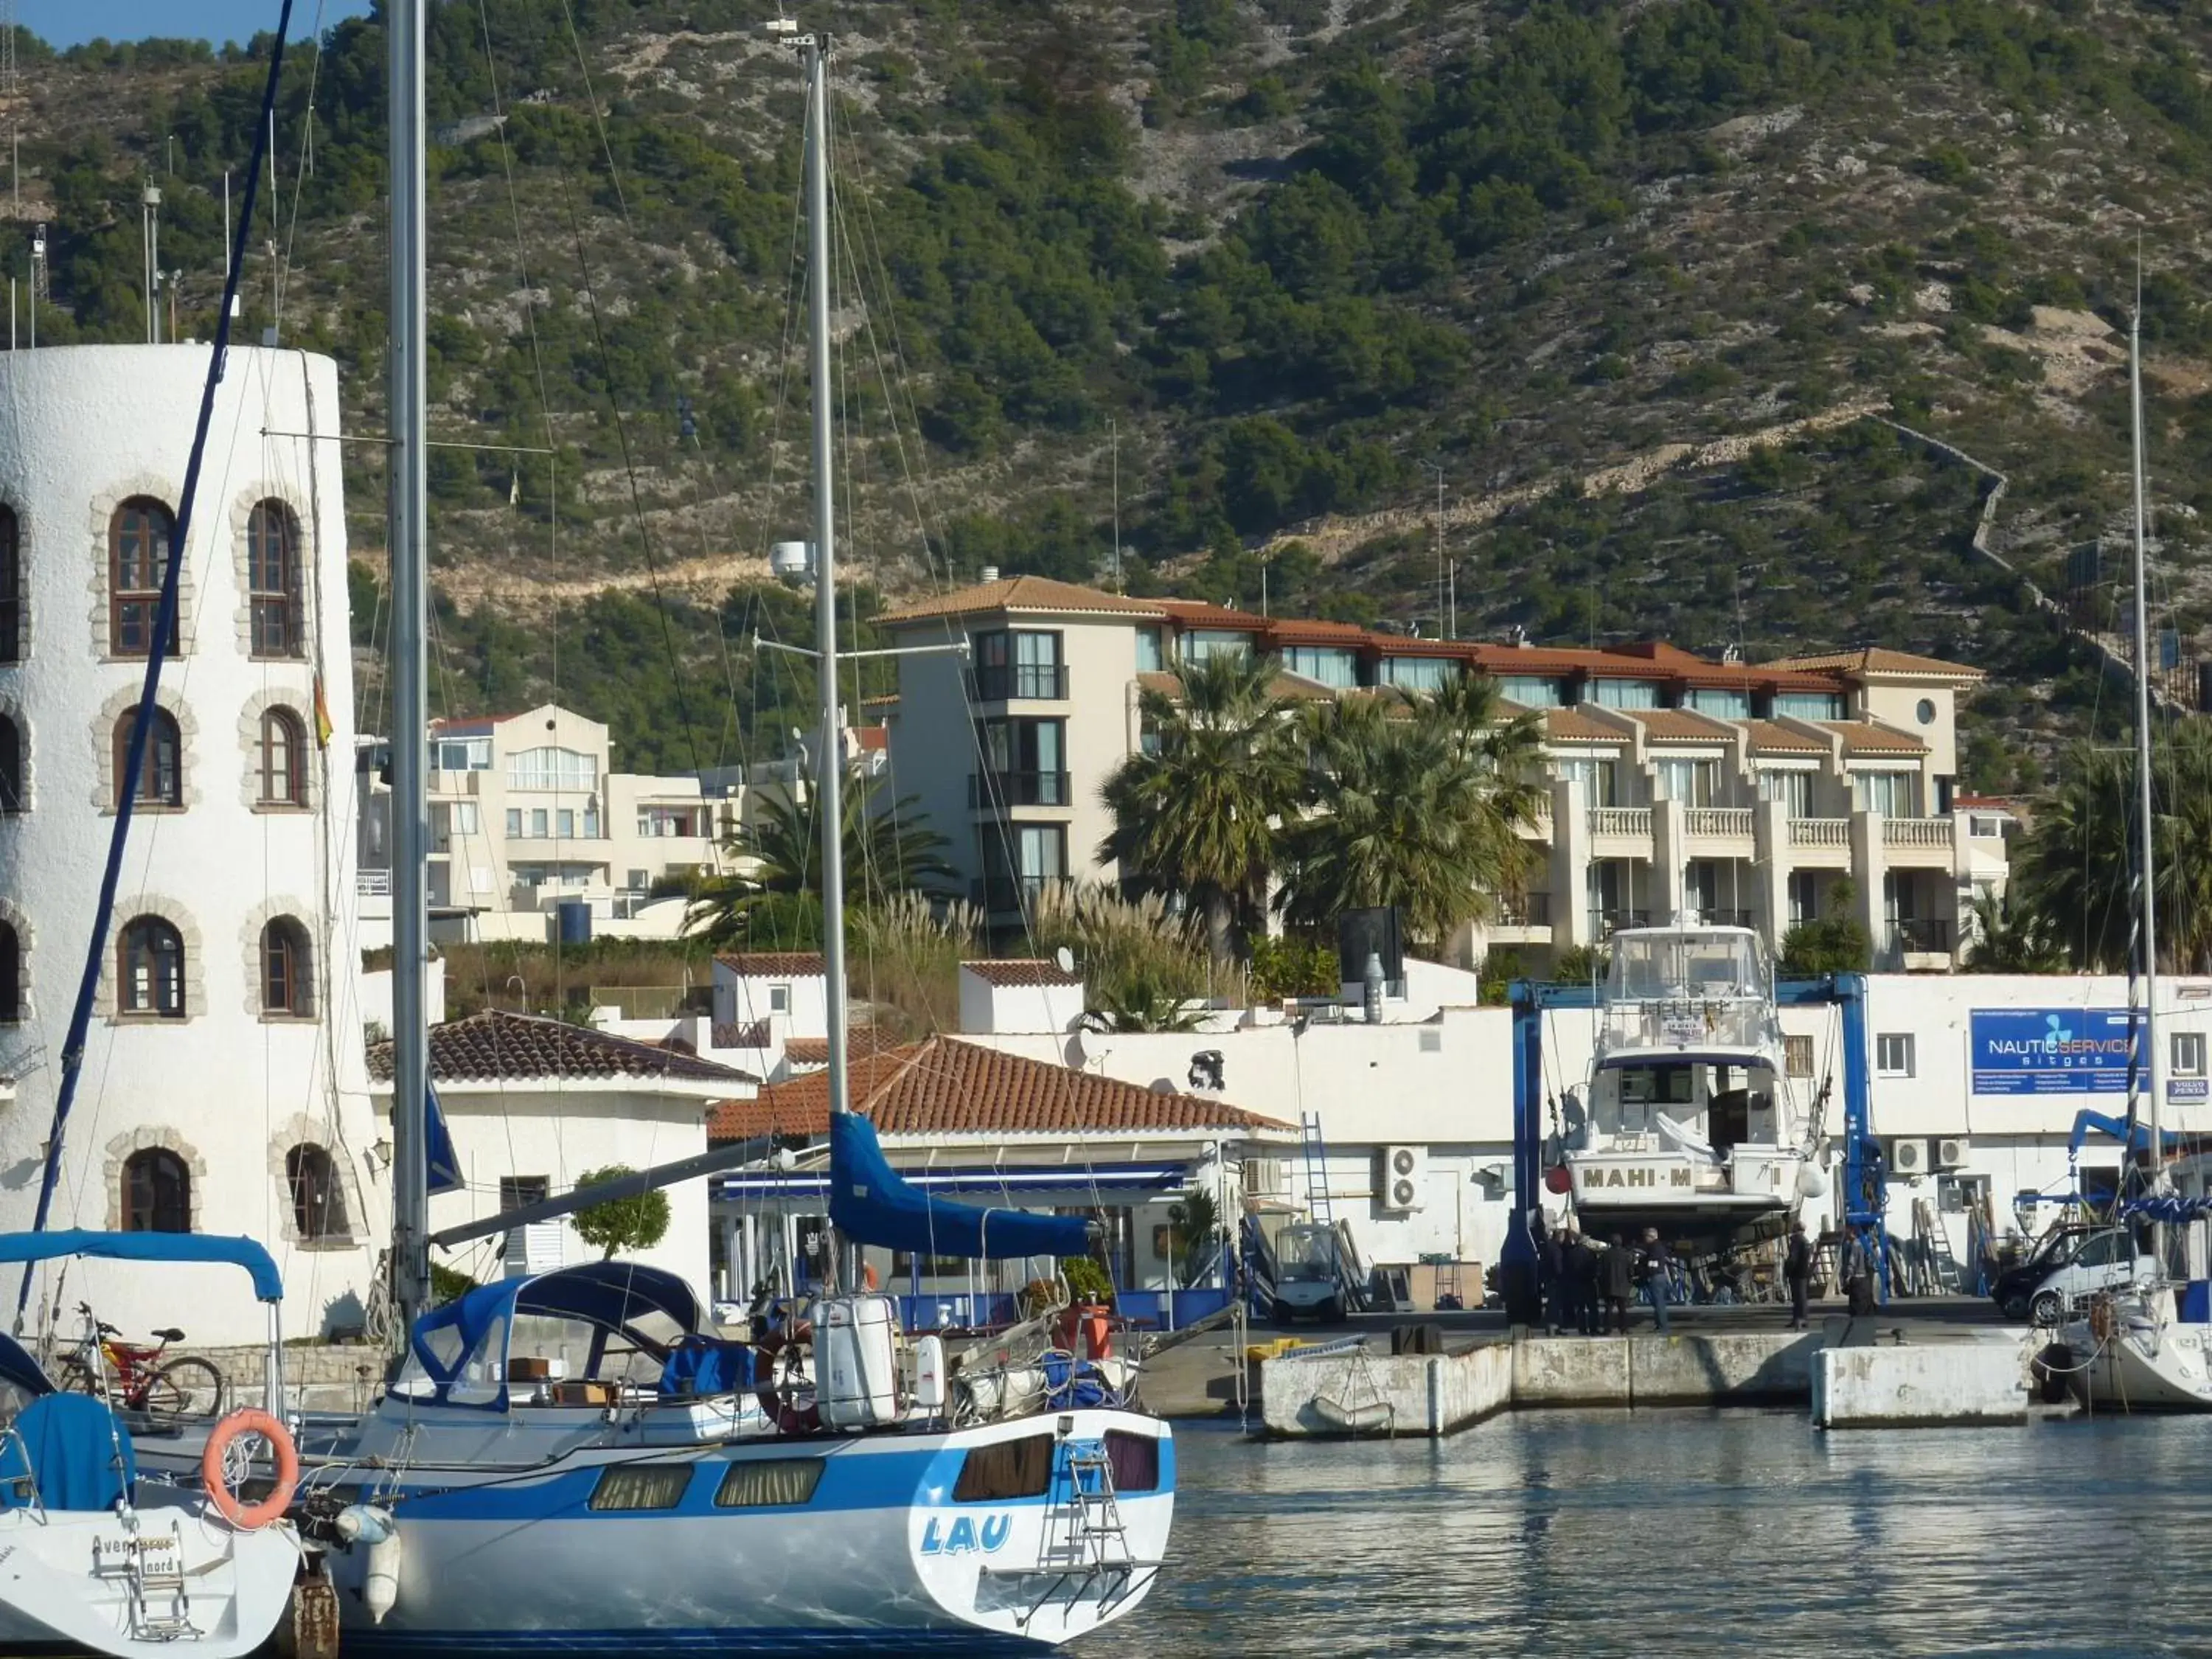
1920	936
1035	681
1821	832
1607	923
996	789
1711	918
1732	822
1917	832
997	894
1620	820
1528	910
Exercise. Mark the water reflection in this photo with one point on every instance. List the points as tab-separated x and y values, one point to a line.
1692	1533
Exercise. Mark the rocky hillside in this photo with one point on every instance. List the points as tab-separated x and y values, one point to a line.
1673	294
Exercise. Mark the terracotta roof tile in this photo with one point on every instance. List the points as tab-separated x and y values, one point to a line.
860	1043
1019	593
1294	631
495	1045
1007	971
1871	737
1679	725
945	1087
1877	660
1573	725
772	964
1770	737
1200	613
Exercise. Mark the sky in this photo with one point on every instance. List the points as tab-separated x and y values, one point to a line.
69	22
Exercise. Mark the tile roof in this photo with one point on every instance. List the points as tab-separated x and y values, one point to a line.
495	1045
860	1043
1871	737
1006	971
1202	613
873	737
772	964
1877	660
1679	725
1573	725
945	1087
1019	593
1772	737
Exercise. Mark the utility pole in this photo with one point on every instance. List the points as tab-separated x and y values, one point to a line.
1114	435
150	224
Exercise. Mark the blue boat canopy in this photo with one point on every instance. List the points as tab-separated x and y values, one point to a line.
268	1284
871	1203
2168	1207
465	1342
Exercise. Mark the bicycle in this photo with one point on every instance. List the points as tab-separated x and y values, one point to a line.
100	1363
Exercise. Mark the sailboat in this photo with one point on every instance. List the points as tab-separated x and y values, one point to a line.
576	1461
2146	1348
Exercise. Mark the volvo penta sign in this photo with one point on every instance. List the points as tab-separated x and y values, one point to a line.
2051	1051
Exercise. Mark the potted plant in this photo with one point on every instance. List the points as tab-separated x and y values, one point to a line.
1090	1297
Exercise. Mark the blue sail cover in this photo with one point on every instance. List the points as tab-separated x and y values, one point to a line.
438	1146
2168	1207
268	1283
871	1203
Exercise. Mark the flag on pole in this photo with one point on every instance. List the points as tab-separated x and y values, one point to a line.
322	727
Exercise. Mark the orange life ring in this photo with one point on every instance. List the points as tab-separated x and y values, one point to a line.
214	1478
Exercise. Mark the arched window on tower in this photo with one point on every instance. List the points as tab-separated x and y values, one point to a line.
161	776
138	558
149	977
284	981
11	765
11	975
157	1193
283	759
11	588
272	571
318	1200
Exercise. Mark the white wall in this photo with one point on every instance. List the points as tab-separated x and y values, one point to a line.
82	427
742	999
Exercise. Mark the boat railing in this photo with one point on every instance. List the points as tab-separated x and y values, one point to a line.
1687	1022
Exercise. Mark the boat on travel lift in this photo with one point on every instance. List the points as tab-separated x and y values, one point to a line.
577	1461
1687	1121
95	1552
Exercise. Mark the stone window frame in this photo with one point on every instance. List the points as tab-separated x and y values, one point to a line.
151	1137
23	567
179	917
301	914
299	703
12	915
242	504
301	1130
121	703
101	511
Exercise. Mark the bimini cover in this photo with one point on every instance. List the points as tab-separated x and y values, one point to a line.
2168	1207
612	1295
871	1203
19	1369
67	1451
268	1285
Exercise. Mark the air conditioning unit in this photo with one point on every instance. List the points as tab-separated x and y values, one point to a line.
1908	1157
1397	1187
1951	1152
1266	1177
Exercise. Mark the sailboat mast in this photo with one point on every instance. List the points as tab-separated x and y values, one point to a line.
409	530
829	760
2153	1070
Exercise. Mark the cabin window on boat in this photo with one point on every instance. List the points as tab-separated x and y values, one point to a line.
1134	1460
1657	1086
1004	1469
641	1486
157	1193
769	1483
138	555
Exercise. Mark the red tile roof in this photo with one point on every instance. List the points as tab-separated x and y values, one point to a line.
1573	725
1871	737
1008	971
1772	737
945	1087
1875	659
1679	725
859	1041
495	1045
772	964
1020	593
1201	613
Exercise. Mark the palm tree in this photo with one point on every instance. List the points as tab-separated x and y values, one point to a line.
1414	806
2077	864
888	849
1199	811
2011	936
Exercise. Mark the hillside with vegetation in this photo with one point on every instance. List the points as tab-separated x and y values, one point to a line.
1272	263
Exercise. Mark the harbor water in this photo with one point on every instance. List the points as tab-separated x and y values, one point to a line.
1690	1532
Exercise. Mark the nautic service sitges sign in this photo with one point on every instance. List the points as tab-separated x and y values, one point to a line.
2051	1051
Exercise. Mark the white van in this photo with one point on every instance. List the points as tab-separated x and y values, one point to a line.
2102	1261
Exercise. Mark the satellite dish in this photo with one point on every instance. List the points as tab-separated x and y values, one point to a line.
1065	958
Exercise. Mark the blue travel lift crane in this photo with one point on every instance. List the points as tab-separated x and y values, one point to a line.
1866	1178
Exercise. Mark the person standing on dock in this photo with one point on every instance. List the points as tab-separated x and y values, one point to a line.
1552	1261
1653	1265
1581	1284
1797	1268
1616	1273
1858	1278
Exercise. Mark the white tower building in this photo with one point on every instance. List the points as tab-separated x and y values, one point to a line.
224	1088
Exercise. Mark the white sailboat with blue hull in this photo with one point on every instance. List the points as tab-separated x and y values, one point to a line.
576	1463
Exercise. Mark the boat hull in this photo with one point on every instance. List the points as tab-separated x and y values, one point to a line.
881	1557
2142	1367
236	1585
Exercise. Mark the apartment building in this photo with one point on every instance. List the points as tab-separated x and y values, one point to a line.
1679	785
